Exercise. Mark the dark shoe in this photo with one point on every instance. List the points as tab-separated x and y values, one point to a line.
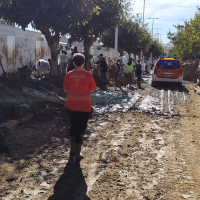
139	84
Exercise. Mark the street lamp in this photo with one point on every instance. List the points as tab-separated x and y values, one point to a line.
157	32
153	23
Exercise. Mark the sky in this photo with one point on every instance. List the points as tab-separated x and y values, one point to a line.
169	12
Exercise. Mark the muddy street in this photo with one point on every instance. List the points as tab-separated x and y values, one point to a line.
139	144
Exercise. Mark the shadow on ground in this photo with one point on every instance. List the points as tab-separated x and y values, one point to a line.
71	185
172	87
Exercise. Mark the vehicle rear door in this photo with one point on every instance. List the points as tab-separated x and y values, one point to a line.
168	69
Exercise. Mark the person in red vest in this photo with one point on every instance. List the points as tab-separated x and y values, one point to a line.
78	84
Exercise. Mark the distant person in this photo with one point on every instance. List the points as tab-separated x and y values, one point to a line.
153	63
49	61
117	71
69	54
124	60
99	59
148	66
71	65
74	51
42	67
103	70
110	62
138	73
143	67
62	61
129	70
78	84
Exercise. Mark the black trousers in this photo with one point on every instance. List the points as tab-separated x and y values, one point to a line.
138	75
103	78
78	122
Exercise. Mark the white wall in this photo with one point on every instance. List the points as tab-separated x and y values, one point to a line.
19	48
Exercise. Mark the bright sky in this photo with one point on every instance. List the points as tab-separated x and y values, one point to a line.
169	12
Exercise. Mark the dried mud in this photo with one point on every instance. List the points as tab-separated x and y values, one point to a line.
147	150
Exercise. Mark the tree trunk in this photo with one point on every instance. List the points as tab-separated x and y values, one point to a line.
121	52
53	45
2	67
87	44
53	42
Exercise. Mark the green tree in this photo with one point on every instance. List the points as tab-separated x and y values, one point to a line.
156	48
132	37
52	18
187	38
109	14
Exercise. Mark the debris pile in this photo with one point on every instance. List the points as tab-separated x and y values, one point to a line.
190	70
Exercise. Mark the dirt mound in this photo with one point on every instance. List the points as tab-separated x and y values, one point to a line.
190	70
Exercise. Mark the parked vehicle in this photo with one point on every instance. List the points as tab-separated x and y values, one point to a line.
167	69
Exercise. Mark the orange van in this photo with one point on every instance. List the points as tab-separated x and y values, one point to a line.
167	69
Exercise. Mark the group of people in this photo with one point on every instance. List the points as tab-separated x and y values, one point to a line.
65	61
129	68
138	69
133	70
79	84
103	69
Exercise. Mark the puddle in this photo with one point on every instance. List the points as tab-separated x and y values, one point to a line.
147	78
113	102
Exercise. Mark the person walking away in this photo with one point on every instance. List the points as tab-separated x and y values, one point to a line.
103	70
78	84
148	66
74	51
143	68
129	70
138	71
71	65
117	72
62	61
69	56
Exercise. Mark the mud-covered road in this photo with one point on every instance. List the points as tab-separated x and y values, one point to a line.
144	144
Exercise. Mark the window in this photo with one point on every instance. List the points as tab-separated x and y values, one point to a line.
168	64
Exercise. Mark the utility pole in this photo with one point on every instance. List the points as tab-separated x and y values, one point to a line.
143	13
160	37
141	53
153	23
157	32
